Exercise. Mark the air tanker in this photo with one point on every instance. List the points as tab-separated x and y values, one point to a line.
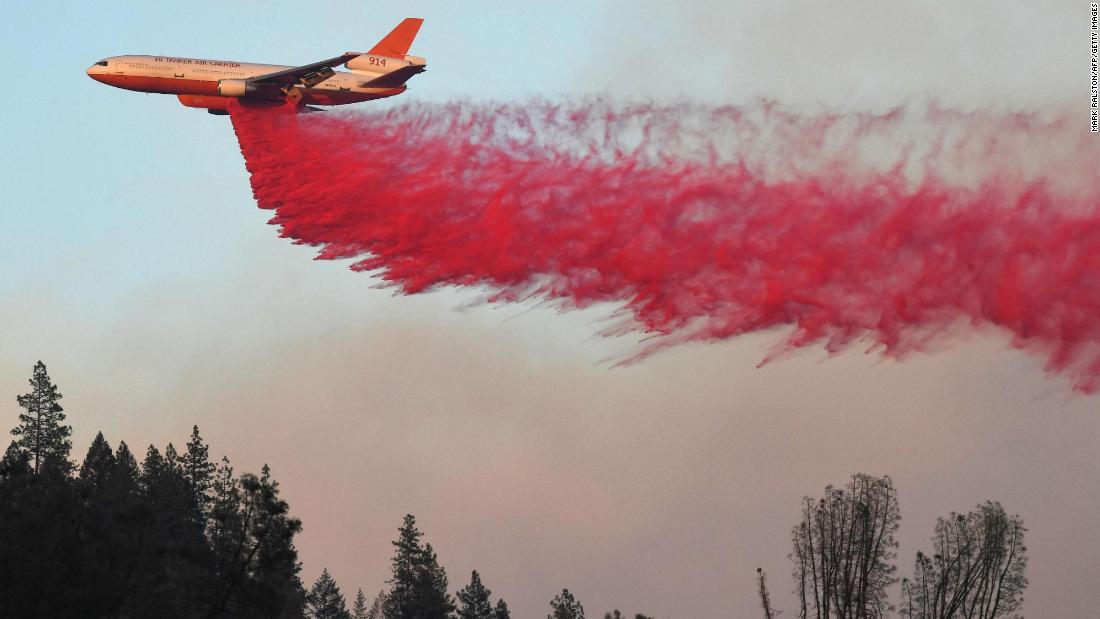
216	84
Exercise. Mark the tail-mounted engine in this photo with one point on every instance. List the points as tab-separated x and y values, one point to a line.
237	88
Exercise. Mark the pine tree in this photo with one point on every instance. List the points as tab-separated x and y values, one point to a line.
170	578
98	464
15	462
152	468
473	600
324	600
501	611
565	606
252	538
40	429
172	458
418	586
359	609
126	464
40	538
199	473
276	584
378	607
121	498
111	522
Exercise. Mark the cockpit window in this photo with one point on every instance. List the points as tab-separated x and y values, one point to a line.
102	63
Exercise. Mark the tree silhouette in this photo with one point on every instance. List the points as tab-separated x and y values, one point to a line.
976	569
324	600
378	607
844	549
565	606
418	585
15	462
117	539
473	600
98	465
40	428
199	473
765	597
359	608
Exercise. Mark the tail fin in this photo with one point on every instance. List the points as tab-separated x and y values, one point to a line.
396	44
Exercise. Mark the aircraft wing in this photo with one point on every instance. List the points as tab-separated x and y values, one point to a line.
393	79
308	75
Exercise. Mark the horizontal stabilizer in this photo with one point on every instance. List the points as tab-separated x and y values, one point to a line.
393	79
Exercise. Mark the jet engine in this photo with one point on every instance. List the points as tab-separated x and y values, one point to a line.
236	88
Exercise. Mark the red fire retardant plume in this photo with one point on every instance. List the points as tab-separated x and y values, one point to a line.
706	223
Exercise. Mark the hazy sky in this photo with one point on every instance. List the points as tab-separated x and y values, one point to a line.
135	264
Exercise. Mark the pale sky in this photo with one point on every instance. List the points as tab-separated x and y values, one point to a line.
136	265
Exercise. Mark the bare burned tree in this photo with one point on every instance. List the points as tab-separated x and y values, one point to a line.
844	549
976	570
765	598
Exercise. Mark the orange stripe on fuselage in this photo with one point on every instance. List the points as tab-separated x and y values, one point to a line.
184	86
163	85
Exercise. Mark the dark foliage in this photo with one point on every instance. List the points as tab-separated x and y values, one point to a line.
976	569
359	608
324	600
474	603
844	550
565	606
170	538
41	432
617	614
418	585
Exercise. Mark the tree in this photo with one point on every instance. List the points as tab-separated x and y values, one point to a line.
40	429
473	600
324	600
40	538
199	473
565	606
122	540
765	598
15	462
168	571
378	607
844	549
976	569
114	529
418	585
98	464
253	543
359	609
501	611
126	465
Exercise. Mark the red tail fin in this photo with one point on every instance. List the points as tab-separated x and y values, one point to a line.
398	41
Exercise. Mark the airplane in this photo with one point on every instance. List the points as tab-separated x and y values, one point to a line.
217	84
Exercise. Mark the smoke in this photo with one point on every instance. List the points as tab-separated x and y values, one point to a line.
890	230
